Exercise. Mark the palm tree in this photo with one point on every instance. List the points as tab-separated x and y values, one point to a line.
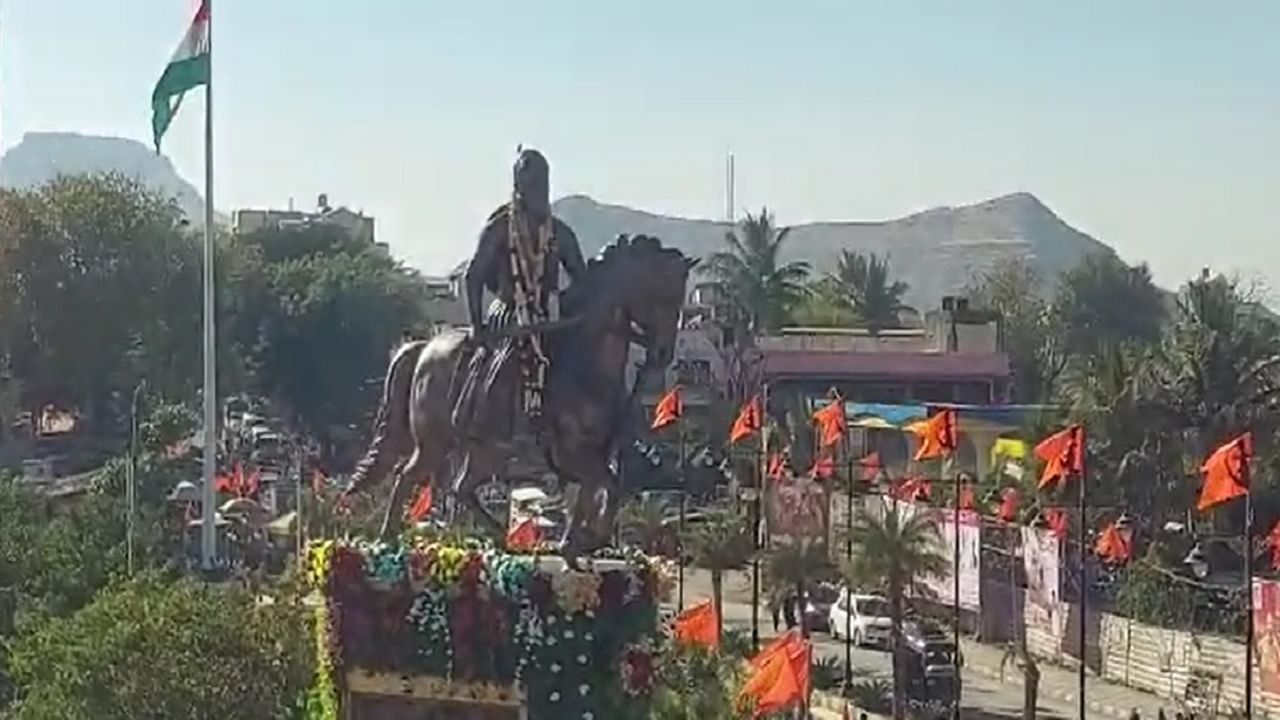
643	523
865	287
796	565
720	543
750	277
895	551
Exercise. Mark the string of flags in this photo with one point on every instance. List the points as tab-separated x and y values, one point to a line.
1062	453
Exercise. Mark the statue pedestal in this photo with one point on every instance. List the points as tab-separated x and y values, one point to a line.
435	630
385	696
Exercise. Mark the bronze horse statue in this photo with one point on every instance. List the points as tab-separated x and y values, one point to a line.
633	291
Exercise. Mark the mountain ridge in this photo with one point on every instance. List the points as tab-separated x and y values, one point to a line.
937	251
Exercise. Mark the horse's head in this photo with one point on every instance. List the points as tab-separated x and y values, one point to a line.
651	285
643	284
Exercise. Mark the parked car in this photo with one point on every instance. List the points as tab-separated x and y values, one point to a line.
867	617
817	606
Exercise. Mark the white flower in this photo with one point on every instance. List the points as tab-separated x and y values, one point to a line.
568	633
551	620
554	697
551	640
582	659
588	716
555	667
583	689
589	636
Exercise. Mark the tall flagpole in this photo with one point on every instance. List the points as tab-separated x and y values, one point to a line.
208	528
1084	585
1248	585
684	495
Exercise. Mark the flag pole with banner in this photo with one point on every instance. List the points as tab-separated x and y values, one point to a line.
191	66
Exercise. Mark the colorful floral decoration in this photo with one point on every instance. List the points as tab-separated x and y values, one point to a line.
575	642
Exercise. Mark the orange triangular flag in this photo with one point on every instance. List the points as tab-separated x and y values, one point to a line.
1008	504
774	470
937	435
523	535
1112	545
748	421
224	482
249	485
824	466
1063	455
421	506
1273	541
780	674
830	421
697	625
1056	520
1226	472
871	466
669	409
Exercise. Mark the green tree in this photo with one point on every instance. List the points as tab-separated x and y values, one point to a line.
796	566
207	653
1103	302
894	551
100	287
1030	333
316	321
643	521
757	287
720	543
865	287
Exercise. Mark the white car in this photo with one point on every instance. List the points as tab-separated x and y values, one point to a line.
867	617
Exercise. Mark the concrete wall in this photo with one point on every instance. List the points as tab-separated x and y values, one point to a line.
1178	665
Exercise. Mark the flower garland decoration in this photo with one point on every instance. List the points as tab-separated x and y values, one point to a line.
636	668
576	643
430	618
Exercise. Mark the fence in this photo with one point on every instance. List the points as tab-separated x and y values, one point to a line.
1026	591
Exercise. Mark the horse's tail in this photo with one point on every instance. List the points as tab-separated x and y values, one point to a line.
392	435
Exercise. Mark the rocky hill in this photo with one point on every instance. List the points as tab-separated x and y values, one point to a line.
936	252
42	156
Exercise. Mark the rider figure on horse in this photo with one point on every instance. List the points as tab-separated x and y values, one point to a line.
518	260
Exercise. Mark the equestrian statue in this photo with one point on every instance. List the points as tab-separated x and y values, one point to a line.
541	363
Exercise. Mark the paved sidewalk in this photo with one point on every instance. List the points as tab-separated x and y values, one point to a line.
1101	697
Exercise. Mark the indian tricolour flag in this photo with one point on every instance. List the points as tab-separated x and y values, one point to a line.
189	68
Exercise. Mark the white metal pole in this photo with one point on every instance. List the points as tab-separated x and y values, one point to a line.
208	529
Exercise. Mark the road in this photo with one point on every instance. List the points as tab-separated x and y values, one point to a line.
984	698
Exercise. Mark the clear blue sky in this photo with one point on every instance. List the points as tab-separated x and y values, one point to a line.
1152	124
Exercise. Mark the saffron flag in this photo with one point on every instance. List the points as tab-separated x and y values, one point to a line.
669	409
779	673
1273	542
187	69
824	466
914	487
937	435
748	422
871	466
698	625
249	485
1063	455
775	467
421	506
1056	520
1008	504
523	535
1226	472
1113	546
831	422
